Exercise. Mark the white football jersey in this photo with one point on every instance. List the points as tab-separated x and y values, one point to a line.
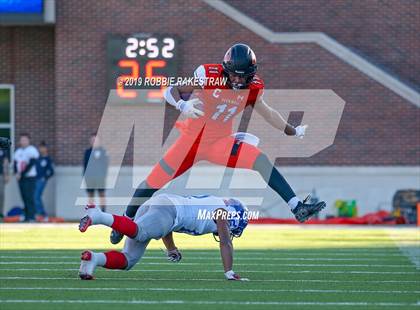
23	156
194	213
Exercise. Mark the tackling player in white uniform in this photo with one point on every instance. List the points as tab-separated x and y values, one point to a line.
158	218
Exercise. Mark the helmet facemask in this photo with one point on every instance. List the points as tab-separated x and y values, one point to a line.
244	83
239	64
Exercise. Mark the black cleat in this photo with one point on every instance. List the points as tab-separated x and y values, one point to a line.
304	211
115	237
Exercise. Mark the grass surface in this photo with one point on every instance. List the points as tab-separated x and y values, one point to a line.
289	267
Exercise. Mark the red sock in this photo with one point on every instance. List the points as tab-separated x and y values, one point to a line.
125	226
115	260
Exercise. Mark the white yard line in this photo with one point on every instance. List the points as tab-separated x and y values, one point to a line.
212	279
407	248
38	263
284	228
259	250
166	263
208	302
158	289
394	253
218	257
308	253
243	271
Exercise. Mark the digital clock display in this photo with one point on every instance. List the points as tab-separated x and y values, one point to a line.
135	60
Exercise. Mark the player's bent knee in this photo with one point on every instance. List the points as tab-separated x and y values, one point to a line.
262	162
131	260
147	234
144	190
158	177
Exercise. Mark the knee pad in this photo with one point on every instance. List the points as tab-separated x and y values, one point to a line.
246	137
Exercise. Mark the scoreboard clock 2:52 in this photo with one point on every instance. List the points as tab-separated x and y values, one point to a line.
134	59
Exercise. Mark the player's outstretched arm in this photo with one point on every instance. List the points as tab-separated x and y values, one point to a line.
172	252
226	247
275	119
169	242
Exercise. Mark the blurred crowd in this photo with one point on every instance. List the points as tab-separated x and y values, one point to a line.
33	167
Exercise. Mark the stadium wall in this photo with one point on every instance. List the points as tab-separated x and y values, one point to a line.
372	187
368	134
382	31
27	60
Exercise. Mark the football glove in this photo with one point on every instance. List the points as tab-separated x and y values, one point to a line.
174	255
231	275
190	108
300	131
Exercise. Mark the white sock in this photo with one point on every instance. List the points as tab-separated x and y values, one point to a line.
293	202
107	219
100	258
99	217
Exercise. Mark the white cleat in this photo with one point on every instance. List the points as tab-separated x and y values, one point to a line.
87	266
93	213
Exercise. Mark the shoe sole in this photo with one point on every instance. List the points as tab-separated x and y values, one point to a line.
86	256
84	224
319	207
86	221
86	276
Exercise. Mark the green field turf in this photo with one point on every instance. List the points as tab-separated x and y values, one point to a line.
289	267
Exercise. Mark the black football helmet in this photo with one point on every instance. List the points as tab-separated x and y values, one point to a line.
240	61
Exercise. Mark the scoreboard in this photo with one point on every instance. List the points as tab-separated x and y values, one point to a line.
133	60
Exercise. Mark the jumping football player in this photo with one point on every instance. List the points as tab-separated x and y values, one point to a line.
207	134
157	218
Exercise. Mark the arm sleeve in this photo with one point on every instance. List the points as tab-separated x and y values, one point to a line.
50	170
260	95
168	96
200	75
